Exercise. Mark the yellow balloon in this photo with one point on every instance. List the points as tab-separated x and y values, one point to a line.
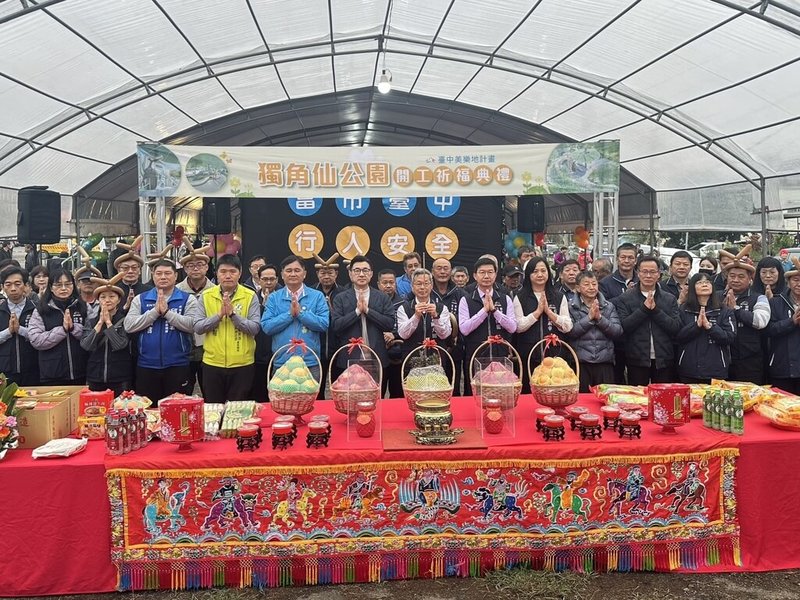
518	241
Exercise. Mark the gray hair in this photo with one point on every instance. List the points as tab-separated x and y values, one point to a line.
420	272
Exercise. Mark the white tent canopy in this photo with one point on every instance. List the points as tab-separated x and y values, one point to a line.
700	92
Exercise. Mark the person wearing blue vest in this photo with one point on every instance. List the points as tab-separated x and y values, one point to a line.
164	317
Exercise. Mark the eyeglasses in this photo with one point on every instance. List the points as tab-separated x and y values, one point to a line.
129	268
364	271
192	266
62	285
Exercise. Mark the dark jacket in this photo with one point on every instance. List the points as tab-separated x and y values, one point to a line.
61	357
748	344
329	341
784	359
593	341
672	286
263	341
615	285
110	359
17	356
639	323
705	353
450	299
347	324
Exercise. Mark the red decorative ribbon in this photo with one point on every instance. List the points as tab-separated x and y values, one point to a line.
355	343
298	343
551	340
429	343
495	339
128	394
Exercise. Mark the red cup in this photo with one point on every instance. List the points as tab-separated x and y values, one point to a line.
247	431
610	412
554	421
629	418
590	420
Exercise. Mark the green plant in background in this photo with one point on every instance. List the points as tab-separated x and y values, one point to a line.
8	414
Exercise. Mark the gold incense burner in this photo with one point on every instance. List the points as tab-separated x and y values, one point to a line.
433	420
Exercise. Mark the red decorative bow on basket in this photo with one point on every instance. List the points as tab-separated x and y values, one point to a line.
551	340
298	343
495	339
429	343
355	343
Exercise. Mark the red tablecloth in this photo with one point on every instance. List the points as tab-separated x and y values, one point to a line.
56	512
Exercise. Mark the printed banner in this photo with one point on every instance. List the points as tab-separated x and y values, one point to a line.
353	174
613	512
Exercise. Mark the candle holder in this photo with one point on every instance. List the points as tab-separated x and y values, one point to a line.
541	413
323	419
282	436
590	427
248	437
257	423
553	428
574	413
629	426
318	434
610	417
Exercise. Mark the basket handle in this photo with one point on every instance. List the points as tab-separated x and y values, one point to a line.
356	343
494	340
287	348
441	351
553	340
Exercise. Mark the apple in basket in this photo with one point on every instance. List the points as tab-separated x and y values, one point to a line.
354	378
497	374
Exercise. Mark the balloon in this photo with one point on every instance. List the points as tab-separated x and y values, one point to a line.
91	241
99	256
539	239
579	230
509	246
519	241
583	244
221	245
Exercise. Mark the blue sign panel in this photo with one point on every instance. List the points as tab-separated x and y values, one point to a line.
444	206
352	207
399	207
305	207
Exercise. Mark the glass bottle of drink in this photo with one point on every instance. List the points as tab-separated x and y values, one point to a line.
124	432
113	441
133	429
716	404
708	402
737	418
725	413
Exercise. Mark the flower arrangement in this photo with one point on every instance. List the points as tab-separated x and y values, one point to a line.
8	415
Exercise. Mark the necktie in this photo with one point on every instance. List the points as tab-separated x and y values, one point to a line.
364	335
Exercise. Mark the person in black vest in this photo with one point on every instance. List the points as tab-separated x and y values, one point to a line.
424	316
613	287
449	294
484	312
110	364
706	334
784	332
650	321
362	312
540	310
18	359
55	330
327	274
752	312
393	342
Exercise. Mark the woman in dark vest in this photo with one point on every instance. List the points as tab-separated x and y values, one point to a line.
55	330
540	310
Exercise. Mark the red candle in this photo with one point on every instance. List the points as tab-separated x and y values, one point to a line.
318	427
252	421
247	431
611	412
577	411
284	419
281	427
589	419
629	418
321	418
554	421
541	413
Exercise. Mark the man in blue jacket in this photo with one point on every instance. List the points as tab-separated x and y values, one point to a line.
296	311
164	317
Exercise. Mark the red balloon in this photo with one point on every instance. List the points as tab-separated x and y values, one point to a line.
583	244
539	239
580	230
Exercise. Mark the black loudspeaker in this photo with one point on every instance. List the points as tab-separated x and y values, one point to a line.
38	216
216	215
530	214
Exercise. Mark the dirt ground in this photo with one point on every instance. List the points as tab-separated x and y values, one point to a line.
519	585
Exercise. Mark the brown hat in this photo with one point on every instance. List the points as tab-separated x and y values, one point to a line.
154	257
87	270
794	272
740	261
132	253
194	254
108	285
326	264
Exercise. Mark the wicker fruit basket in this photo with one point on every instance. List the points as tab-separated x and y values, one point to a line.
345	401
442	394
507	393
555	396
295	403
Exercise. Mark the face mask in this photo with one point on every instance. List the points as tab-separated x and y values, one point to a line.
707	271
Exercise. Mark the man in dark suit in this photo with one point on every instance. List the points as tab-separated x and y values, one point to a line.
362	312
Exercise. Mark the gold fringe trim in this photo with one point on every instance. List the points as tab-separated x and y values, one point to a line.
443	464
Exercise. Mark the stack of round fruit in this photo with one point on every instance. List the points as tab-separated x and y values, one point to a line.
554	383
426	383
496	380
292	389
354	385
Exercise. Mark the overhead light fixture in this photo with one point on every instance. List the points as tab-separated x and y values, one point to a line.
385	82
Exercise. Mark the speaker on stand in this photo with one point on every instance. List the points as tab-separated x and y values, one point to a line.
530	214
38	217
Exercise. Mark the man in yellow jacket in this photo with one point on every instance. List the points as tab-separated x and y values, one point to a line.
231	320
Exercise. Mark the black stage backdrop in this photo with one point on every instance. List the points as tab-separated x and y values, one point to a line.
267	222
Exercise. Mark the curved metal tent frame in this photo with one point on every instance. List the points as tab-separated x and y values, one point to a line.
701	94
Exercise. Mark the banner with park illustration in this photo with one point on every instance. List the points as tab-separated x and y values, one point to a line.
378	172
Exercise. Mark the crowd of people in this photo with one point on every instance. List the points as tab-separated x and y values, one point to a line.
628	321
